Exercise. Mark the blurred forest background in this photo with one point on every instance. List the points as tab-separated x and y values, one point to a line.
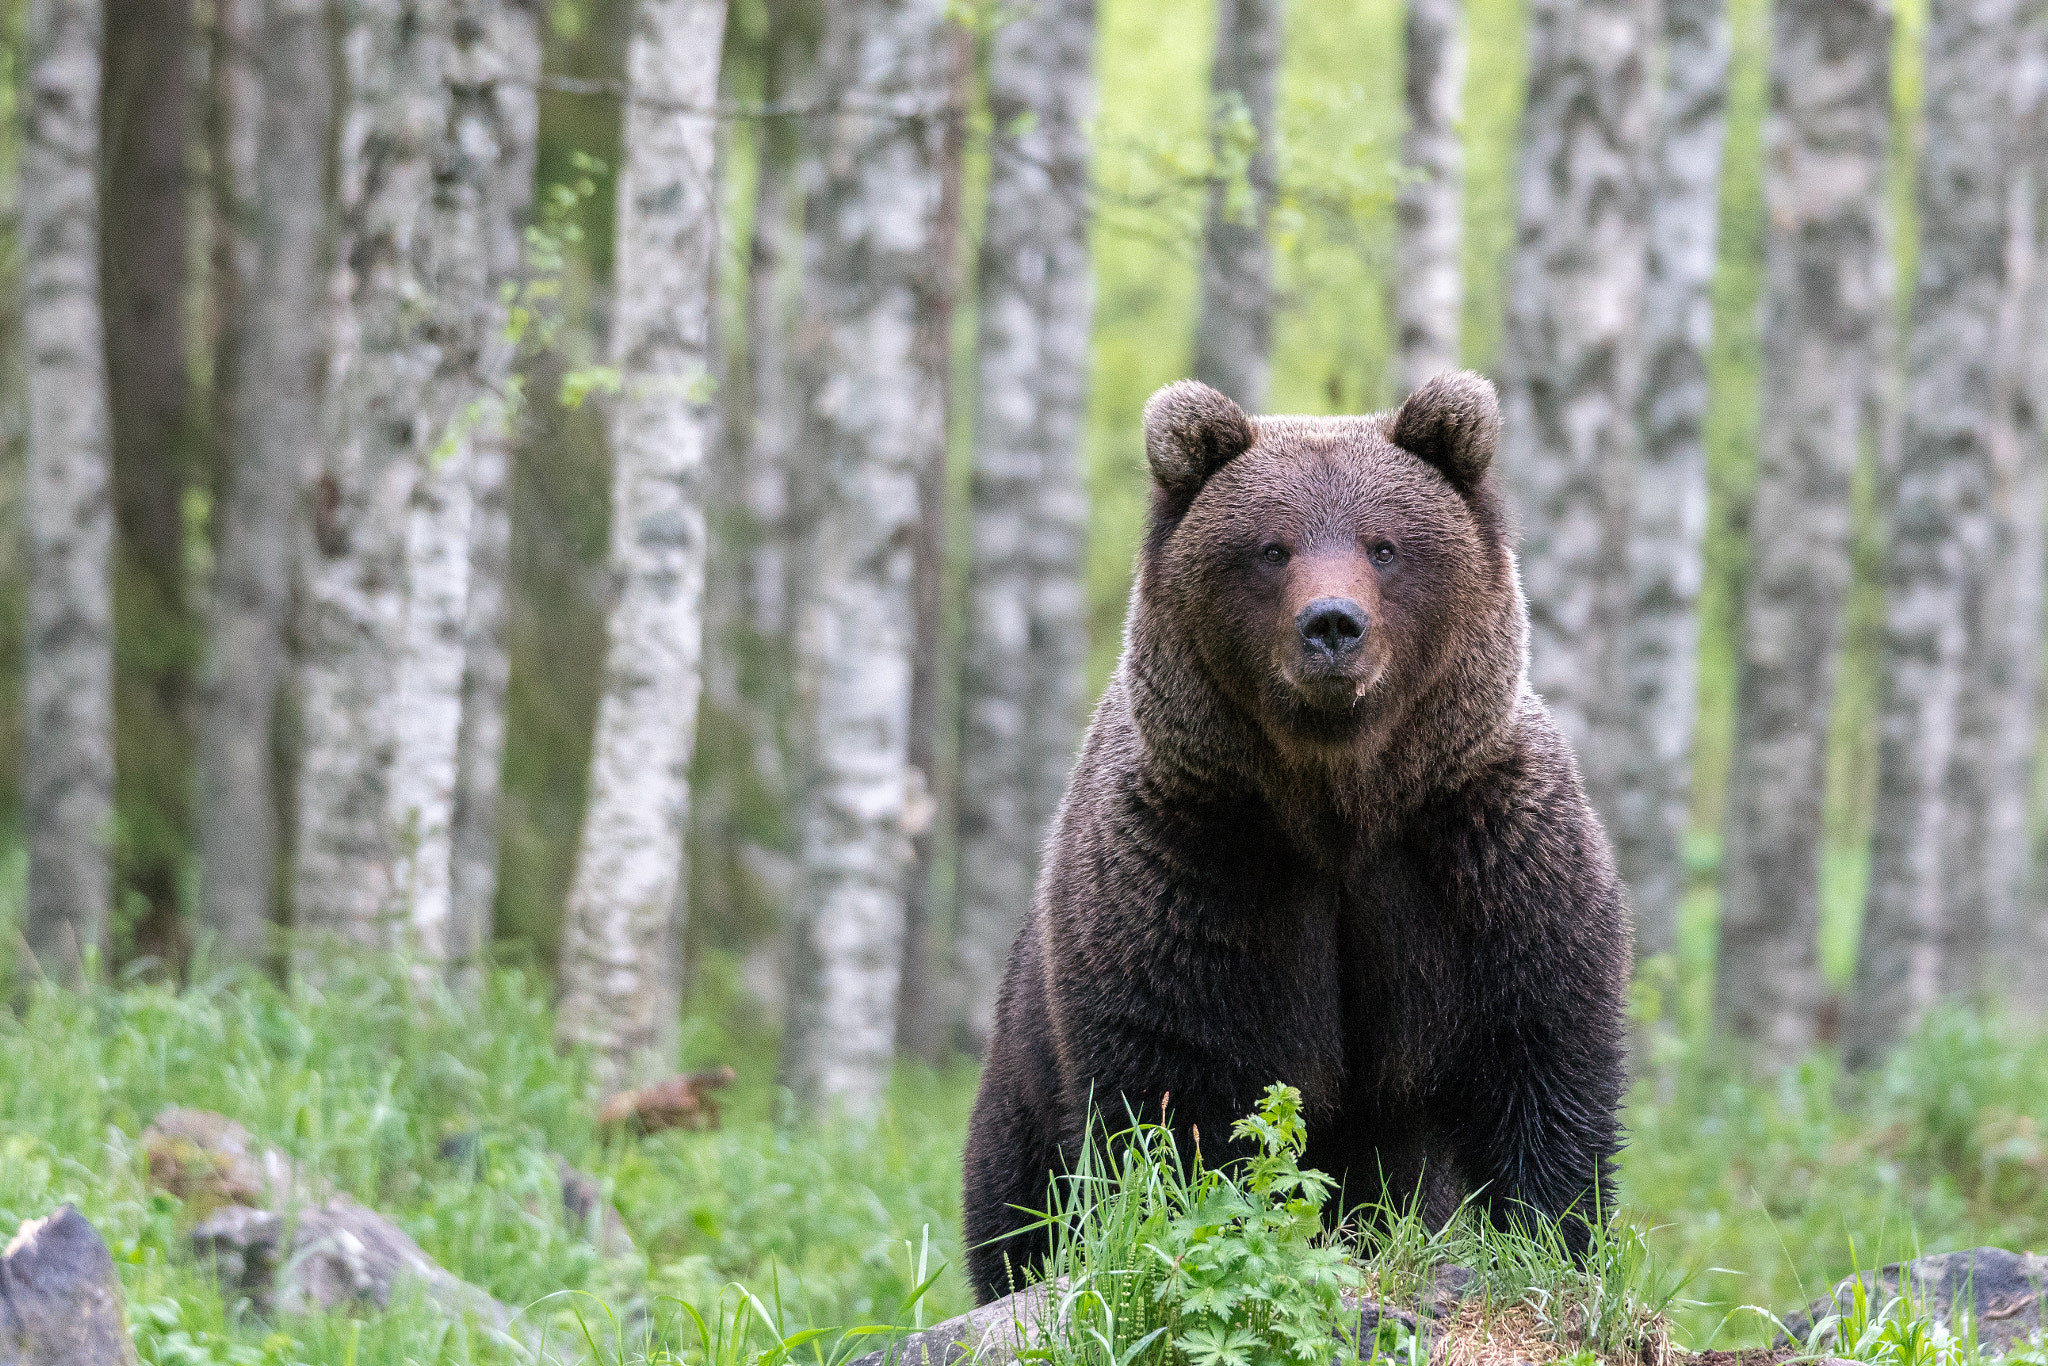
445	443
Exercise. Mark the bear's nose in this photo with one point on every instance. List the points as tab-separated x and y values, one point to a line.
1333	626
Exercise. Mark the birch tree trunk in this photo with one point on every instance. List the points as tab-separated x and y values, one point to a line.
1942	520
495	86
1429	278
621	944
350	882
1234	337
1991	778
1021	686
1666	560
143	126
922	988
268	385
68	762
1572	357
1826	293
873	409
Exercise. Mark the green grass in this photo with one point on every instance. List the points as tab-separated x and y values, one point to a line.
1744	1194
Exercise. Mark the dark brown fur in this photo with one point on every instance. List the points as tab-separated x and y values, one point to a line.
1373	877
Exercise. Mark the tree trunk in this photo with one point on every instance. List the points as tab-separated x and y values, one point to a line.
1990	782
495	89
874	410
268	388
1826	292
1572	359
1234	338
349	880
1942	518
922	992
68	762
1026	638
1429	277
1666	560
621	948
143	294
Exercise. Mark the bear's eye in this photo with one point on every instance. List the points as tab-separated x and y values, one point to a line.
1383	553
1274	554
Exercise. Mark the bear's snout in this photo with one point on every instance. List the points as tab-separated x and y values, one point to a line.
1331	628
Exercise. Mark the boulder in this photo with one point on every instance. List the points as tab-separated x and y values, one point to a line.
60	1301
2000	1292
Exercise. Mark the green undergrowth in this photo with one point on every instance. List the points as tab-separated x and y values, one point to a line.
1731	1194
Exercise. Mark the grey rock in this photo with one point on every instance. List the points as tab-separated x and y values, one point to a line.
332	1255
60	1301
2001	1293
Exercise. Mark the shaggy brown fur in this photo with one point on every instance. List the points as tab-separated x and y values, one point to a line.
1346	851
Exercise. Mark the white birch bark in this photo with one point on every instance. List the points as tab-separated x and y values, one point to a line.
1572	355
1667	532
500	71
873	410
1429	278
271	357
1827	289
620	967
350	884
68	761
1942	530
1234	335
1990	780
1020	689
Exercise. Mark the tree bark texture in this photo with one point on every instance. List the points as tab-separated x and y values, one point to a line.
1826	291
1429	277
621	943
1942	532
272	361
68	763
144	106
1021	688
356	627
1234	337
1572	359
921	995
494	91
1667	531
1989	844
873	411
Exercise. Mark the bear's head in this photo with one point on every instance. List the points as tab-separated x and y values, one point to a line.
1331	572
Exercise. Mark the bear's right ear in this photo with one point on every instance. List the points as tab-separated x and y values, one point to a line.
1453	422
1191	431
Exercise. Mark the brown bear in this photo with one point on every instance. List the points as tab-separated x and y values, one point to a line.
1321	832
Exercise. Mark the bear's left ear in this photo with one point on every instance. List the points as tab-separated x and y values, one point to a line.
1453	422
1191	431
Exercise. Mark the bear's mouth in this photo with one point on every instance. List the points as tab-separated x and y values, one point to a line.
1327	686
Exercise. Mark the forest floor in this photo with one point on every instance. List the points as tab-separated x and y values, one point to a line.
1742	1194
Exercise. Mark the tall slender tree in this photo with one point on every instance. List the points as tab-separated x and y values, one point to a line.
921	991
1234	337
68	765
1826	292
1989	843
268	393
350	881
144	121
1021	685
1572	358
497	78
1667	531
1942	518
621	965
874	399
1429	276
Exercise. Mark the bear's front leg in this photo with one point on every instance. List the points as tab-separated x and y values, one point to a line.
1532	1097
